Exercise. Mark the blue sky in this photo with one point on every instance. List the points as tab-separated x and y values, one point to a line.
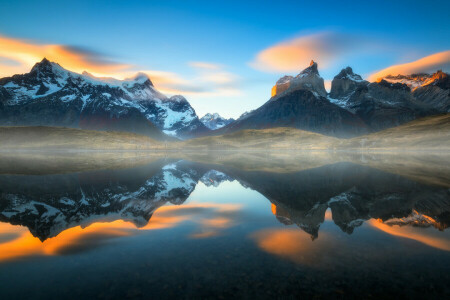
215	51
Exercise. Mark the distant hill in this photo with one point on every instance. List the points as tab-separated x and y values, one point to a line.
273	138
44	138
430	133
427	133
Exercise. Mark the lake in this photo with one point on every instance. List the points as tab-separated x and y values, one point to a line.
251	225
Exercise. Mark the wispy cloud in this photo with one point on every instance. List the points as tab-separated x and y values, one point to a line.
17	56
294	54
204	79
428	64
204	65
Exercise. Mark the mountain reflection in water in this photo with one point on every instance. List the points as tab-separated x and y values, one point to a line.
66	207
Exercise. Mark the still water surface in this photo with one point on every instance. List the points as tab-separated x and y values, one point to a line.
247	227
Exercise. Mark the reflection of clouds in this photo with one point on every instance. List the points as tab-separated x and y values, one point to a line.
292	244
415	233
211	218
72	240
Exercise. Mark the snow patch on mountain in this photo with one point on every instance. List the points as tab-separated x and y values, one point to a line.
215	121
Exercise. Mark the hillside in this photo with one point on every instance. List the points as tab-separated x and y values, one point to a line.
430	133
45	138
426	133
273	138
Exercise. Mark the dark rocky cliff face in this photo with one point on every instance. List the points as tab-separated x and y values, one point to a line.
353	107
308	79
384	105
381	104
302	109
436	92
345	83
302	105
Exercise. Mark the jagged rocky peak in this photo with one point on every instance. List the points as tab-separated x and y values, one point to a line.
284	79
347	73
308	79
311	70
178	98
345	83
46	68
142	78
415	81
50	95
215	121
391	85
440	79
43	65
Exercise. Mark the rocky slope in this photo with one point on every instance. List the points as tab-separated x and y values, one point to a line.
52	96
300	102
381	105
215	121
353	107
435	92
308	79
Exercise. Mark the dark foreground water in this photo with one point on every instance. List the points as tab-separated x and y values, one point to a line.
256	226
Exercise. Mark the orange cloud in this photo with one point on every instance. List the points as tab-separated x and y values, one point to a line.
208	79
428	64
294	245
25	54
293	55
414	233
23	243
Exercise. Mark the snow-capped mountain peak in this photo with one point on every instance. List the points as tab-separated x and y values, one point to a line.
215	121
53	96
348	74
415	81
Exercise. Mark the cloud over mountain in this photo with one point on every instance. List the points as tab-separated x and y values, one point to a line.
288	56
205	79
427	64
17	56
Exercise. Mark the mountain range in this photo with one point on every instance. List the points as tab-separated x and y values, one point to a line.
50	95
353	107
215	121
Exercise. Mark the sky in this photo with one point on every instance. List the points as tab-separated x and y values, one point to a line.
225	56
